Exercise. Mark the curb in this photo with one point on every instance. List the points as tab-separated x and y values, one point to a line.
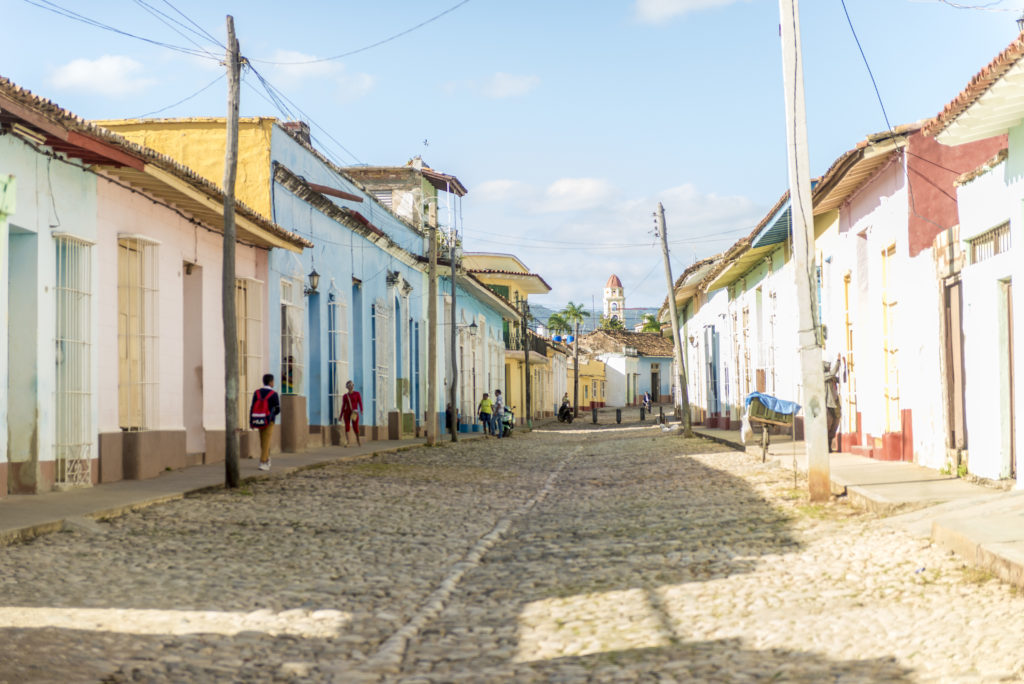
22	534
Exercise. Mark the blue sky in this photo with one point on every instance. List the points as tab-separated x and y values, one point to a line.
568	120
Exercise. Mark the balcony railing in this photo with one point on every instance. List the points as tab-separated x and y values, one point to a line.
514	341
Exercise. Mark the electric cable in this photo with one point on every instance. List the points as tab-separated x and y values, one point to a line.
372	45
69	14
186	99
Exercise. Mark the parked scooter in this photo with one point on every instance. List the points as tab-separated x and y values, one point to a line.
508	421
565	413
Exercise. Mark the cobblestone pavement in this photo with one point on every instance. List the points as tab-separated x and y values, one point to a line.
601	555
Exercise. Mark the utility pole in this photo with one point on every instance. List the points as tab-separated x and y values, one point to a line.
432	332
228	270
683	403
813	378
525	310
455	361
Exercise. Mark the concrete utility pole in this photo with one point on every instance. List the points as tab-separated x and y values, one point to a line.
455	362
683	404
432	332
228	271
576	372
813	399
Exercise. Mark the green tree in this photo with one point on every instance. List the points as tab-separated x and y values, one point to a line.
558	324
611	323
651	324
574	314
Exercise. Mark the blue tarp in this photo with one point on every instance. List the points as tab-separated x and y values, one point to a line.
786	408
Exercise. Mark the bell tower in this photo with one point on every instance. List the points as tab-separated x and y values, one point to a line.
614	299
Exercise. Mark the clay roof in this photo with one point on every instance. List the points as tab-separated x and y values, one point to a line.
977	87
614	281
646	344
65	131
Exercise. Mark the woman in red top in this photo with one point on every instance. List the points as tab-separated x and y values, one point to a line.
351	405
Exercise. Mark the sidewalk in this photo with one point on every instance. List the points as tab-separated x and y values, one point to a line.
982	525
28	515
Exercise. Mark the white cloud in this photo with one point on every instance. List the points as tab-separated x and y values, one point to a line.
658	11
501	191
575	194
589	221
113	75
298	67
502	85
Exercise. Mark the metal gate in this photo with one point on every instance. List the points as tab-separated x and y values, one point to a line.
73	395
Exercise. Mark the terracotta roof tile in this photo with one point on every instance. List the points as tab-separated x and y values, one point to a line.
977	87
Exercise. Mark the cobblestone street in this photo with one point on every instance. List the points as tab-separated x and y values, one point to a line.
568	555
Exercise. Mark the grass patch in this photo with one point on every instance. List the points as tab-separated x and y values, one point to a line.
976	575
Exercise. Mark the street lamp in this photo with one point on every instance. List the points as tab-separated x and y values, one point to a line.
314	282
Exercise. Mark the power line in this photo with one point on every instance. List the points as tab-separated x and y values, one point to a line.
372	45
866	65
173	24
203	31
163	109
69	14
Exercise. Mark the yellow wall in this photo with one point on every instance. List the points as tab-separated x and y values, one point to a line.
590	371
199	145
513	289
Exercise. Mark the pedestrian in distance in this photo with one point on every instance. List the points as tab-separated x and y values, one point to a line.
263	411
833	410
497	414
484	413
351	407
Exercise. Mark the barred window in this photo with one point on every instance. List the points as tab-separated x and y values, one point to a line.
73	334
337	352
292	341
249	323
137	332
990	243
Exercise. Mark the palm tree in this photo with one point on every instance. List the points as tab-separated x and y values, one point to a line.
558	324
574	314
650	324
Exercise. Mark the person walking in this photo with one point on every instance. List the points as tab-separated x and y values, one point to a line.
351	407
484	413
263	411
833	410
497	414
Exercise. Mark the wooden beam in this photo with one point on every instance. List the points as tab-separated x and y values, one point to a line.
29	115
217	207
327	190
107	150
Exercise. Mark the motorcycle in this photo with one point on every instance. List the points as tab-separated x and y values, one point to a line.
565	414
508	421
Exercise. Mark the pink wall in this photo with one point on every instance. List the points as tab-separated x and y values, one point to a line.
119	212
932	169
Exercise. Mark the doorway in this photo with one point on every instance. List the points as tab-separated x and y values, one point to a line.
1008	408
655	381
192	359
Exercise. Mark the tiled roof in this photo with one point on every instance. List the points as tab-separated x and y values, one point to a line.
62	118
613	281
977	87
646	344
511	274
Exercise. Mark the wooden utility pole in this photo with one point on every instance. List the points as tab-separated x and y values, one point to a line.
683	402
228	270
455	362
432	332
813	377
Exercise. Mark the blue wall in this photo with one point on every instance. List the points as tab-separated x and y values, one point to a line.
664	379
339	256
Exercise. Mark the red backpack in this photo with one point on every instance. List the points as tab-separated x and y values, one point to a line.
259	415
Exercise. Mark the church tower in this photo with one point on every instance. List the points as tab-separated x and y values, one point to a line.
614	299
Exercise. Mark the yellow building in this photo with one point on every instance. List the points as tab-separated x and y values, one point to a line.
592	383
509	277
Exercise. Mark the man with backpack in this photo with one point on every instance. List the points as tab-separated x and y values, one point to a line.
265	407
